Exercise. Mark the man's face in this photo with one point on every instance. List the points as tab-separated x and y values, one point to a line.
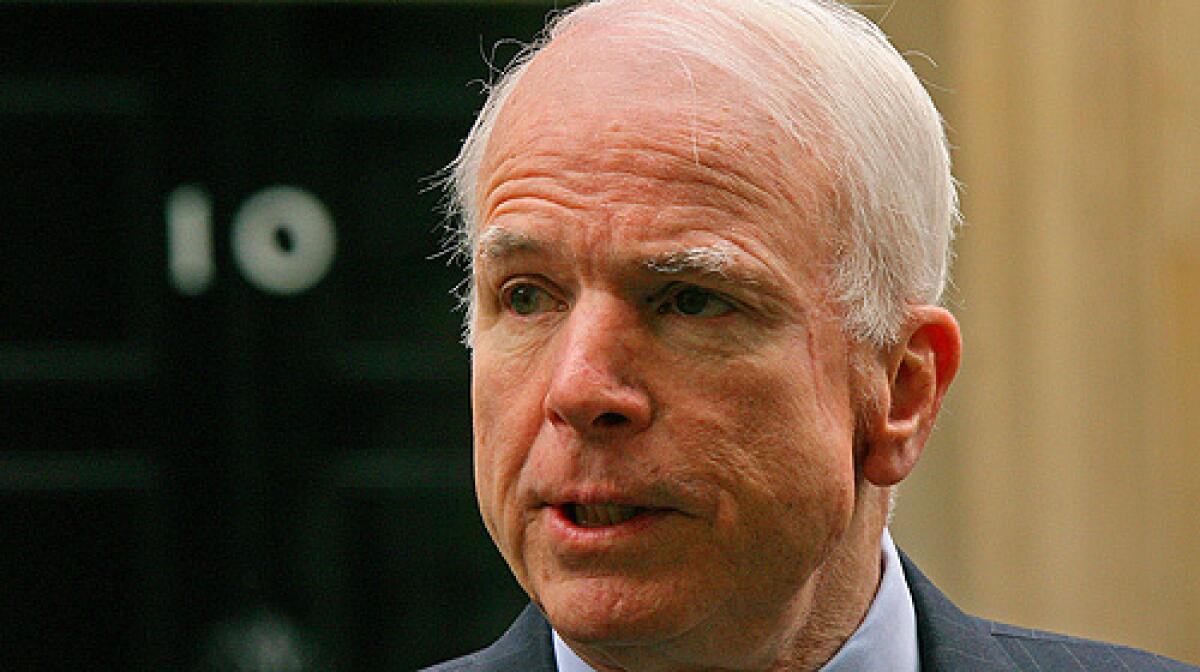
662	412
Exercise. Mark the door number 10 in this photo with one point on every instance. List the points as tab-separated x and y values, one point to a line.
282	239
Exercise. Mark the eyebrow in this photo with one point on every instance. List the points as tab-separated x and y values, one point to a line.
718	260
701	260
498	242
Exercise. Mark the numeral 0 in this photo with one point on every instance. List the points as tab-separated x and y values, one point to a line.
283	240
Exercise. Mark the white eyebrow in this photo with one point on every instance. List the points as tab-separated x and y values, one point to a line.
498	242
701	260
718	260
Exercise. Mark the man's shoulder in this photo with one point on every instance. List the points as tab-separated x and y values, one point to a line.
526	646
1037	649
953	640
456	665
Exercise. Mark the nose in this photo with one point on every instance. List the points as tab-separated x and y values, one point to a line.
592	391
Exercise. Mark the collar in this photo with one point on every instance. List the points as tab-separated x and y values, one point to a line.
885	641
567	659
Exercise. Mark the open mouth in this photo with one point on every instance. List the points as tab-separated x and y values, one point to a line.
601	515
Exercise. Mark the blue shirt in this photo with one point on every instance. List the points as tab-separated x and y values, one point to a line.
886	641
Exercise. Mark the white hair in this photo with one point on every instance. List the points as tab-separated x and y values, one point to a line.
832	83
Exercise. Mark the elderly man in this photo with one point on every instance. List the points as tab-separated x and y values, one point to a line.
708	240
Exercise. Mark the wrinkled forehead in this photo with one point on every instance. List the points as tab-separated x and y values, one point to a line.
608	87
608	97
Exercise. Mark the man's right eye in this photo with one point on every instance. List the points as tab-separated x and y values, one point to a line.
528	299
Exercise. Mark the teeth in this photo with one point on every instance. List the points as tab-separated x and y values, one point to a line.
601	515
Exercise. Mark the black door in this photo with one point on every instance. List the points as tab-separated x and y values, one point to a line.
234	420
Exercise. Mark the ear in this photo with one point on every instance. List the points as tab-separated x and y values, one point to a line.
919	369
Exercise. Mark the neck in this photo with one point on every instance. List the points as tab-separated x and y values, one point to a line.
844	587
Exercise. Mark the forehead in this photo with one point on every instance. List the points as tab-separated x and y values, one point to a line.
602	122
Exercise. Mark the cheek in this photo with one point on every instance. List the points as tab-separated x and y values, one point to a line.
495	453
484	458
782	453
506	420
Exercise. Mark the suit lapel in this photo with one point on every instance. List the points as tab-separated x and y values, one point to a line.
526	646
949	639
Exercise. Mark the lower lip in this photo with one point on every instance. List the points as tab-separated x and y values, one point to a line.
597	538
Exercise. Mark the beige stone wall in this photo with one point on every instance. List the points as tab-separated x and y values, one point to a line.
1062	488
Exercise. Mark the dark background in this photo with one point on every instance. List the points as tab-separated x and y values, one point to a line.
201	476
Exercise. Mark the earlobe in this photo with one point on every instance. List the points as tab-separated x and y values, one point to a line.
919	369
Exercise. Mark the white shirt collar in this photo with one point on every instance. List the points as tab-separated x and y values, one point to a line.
567	659
885	641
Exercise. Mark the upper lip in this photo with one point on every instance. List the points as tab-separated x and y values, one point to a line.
596	495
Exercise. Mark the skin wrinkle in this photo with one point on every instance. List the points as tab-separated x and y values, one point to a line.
710	179
772	297
509	193
750	470
815	379
720	169
499	245
715	154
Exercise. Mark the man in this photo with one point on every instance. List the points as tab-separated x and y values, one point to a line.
708	240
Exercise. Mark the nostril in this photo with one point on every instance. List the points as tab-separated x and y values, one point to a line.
610	419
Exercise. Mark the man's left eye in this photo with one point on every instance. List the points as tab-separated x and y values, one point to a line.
696	302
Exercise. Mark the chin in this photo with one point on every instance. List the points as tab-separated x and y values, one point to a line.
613	611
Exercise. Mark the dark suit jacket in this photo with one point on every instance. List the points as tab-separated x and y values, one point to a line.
950	641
